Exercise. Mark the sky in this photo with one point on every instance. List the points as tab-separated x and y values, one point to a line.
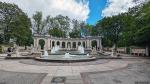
89	11
96	7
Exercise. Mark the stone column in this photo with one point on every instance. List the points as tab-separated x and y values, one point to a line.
55	43
71	45
90	44
65	44
98	46
35	42
48	43
51	44
147	51
60	44
81	43
76	45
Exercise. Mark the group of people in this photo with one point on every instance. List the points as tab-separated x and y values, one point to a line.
10	50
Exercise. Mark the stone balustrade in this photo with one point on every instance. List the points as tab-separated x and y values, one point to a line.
138	51
121	50
133	51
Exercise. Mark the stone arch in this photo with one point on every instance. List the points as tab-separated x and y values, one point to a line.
63	44
79	43
74	45
83	44
58	43
53	43
68	44
94	43
41	42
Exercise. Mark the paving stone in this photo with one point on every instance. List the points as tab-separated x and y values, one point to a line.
7	77
74	82
138	72
74	77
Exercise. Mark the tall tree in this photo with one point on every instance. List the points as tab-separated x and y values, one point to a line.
64	23
38	23
14	24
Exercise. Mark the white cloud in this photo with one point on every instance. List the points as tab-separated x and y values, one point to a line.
74	9
114	7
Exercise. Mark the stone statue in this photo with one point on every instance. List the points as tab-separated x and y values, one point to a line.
14	45
39	48
32	49
113	53
31	46
17	51
94	52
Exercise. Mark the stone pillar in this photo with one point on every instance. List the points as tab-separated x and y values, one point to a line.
35	42
66	44
81	43
51	44
98	46
48	42
55	43
147	51
71	45
90	44
76	45
60	44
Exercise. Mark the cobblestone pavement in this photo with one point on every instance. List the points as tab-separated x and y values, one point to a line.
7	77
138	73
71	74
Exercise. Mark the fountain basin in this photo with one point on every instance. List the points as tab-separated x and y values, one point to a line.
61	58
73	52
57	55
68	60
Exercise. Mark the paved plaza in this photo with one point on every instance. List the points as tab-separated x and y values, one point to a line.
101	71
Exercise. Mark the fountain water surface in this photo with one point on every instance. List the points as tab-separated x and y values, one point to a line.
67	55
81	49
55	49
45	54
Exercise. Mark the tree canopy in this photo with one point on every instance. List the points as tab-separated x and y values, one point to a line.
14	24
127	29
